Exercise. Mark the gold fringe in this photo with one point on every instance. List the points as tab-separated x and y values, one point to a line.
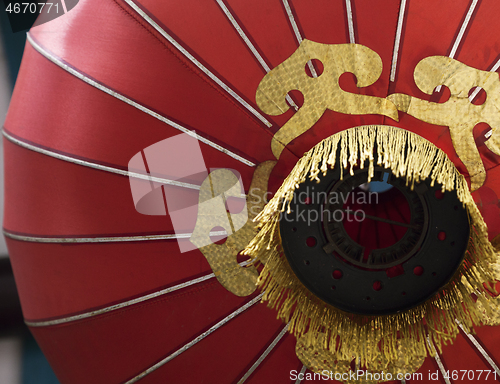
373	339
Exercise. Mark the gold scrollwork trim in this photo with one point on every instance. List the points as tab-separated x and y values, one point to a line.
217	187
323	92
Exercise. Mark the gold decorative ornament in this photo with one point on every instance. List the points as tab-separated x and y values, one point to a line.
379	342
491	317
215	189
323	92
326	364
457	113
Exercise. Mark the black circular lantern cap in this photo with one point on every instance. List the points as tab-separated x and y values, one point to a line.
335	265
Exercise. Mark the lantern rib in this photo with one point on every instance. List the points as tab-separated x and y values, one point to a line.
243	35
197	63
291	19
106	239
298	35
101	167
97	166
59	62
397	41
463	28
461	33
124	304
473	95
441	368
301	374
196	340
264	355
479	348
437	358
350	21
250	46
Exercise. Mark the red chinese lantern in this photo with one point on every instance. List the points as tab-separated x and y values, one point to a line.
106	290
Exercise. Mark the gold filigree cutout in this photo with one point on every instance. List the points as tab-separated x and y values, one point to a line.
215	189
458	113
323	92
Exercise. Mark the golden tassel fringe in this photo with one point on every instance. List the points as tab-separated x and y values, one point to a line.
375	341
